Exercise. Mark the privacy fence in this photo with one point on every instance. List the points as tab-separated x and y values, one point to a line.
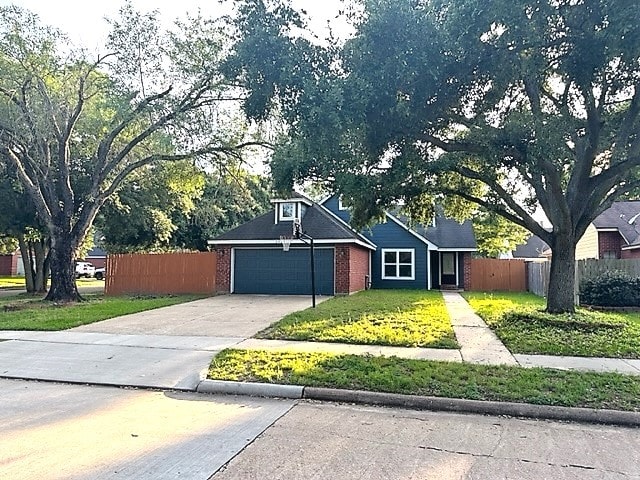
165	273
489	274
538	273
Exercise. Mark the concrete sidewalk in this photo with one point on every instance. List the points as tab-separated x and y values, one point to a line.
168	348
478	344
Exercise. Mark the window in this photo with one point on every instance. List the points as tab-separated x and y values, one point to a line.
341	206
398	264
287	211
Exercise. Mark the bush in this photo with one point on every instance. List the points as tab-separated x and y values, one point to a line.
612	289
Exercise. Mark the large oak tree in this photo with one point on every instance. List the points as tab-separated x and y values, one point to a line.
74	126
516	105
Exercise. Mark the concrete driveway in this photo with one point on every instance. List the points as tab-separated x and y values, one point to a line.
222	316
170	347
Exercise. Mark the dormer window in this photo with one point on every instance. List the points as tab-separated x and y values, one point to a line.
287	211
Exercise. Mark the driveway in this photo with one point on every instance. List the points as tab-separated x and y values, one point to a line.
170	347
240	316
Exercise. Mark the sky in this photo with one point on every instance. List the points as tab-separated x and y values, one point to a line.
84	21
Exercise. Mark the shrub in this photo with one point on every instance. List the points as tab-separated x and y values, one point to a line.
611	289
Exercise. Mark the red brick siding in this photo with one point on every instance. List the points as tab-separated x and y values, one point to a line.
352	268
223	269
635	253
6	265
609	242
342	269
98	262
358	268
466	263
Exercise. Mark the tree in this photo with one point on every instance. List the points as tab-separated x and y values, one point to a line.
534	101
496	235
75	128
143	214
231	196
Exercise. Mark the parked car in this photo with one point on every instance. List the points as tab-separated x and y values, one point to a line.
100	273
85	269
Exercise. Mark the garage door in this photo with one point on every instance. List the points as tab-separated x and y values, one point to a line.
272	271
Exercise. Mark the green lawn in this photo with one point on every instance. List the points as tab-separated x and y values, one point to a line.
18	282
422	377
26	313
10	282
374	317
518	319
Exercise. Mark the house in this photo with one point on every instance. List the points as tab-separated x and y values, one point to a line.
11	264
533	250
388	255
615	233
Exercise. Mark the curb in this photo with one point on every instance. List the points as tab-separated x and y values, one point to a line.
417	402
250	389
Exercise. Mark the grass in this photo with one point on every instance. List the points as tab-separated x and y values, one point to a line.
18	282
374	317
11	282
518	319
26	313
423	377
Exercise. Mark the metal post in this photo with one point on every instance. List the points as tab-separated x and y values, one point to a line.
313	277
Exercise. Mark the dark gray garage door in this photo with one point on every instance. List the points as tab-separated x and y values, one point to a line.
261	270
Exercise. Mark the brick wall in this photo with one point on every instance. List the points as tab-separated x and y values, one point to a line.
635	253
466	262
352	268
609	242
358	268
6	265
223	269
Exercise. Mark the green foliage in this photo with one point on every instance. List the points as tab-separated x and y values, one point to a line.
611	289
144	213
230	198
74	127
496	235
523	327
375	317
422	377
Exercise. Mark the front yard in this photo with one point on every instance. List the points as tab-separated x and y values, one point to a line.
423	377
409	318
518	320
22	312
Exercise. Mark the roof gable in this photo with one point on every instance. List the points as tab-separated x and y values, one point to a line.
624	217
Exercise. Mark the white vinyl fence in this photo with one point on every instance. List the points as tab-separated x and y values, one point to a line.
538	272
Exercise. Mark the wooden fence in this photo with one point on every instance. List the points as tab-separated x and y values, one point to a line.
538	277
489	274
538	273
165	273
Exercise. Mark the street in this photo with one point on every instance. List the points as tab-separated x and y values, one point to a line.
55	431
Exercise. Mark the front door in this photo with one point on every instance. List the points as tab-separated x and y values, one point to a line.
448	268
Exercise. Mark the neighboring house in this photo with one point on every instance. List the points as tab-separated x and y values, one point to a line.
96	257
11	264
533	250
389	255
615	233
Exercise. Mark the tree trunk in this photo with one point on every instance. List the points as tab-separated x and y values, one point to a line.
560	298
27	264
39	247
63	273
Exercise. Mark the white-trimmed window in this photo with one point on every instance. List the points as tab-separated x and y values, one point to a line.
398	264
287	211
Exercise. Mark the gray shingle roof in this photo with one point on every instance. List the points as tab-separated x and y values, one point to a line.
533	248
447	233
317	222
623	216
